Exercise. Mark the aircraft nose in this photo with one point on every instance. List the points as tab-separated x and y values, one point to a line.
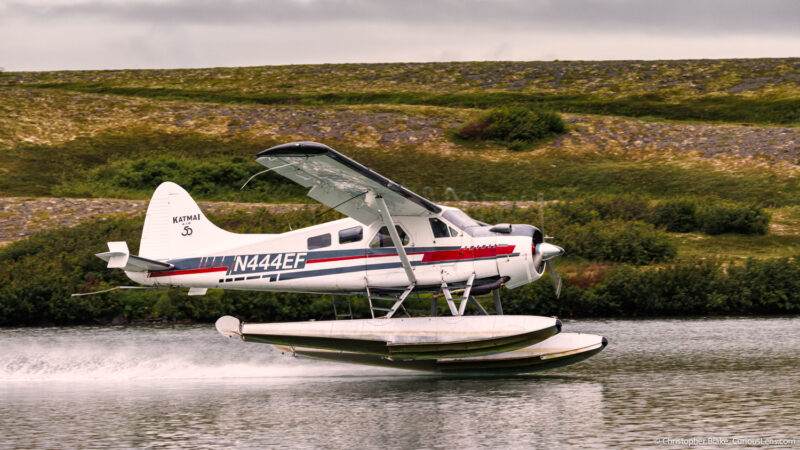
548	251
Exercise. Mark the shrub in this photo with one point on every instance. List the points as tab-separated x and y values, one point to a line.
515	126
629	242
678	215
620	207
710	216
718	218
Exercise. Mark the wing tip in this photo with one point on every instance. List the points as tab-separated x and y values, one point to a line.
299	148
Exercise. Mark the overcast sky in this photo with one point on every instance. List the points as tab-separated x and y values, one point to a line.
113	34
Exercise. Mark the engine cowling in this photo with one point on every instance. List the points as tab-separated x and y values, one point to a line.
521	268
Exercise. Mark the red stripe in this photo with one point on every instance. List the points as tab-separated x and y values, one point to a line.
442	255
468	253
505	250
186	272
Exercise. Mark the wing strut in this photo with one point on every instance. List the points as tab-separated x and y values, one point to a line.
398	244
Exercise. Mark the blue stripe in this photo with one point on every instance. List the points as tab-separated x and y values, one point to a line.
192	263
227	261
336	271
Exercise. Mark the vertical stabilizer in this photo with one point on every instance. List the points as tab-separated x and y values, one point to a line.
176	228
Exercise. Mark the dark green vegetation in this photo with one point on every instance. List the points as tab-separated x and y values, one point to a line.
679	214
710	217
38	275
695	287
516	127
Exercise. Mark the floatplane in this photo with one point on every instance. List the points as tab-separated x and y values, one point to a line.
393	245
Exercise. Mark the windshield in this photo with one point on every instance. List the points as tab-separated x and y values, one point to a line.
462	221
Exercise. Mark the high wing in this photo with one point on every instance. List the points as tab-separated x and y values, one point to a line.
343	184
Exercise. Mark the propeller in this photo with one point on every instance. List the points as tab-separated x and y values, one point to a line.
545	252
554	277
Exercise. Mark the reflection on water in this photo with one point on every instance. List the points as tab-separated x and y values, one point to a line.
187	386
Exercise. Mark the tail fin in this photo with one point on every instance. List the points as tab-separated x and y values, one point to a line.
176	228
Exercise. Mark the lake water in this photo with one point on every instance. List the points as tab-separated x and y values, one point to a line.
683	380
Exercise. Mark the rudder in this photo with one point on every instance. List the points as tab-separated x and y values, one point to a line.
174	227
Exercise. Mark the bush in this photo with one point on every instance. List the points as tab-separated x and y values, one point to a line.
710	216
515	126
635	242
678	215
721	218
621	207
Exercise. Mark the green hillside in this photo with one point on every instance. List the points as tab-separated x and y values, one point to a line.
643	140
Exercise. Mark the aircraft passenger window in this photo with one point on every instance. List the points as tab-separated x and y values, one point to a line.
354	234
439	228
384	239
323	240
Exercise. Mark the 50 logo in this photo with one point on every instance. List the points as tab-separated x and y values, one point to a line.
187	231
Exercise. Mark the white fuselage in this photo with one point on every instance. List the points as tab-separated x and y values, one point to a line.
346	256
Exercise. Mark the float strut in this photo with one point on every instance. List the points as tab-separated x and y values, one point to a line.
450	303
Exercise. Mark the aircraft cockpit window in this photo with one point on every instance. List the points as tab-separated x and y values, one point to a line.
321	241
462	221
354	234
453	232
439	228
384	239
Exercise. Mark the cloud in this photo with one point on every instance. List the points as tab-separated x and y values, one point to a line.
673	17
82	34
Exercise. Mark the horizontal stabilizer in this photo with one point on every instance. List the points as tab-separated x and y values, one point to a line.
118	257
